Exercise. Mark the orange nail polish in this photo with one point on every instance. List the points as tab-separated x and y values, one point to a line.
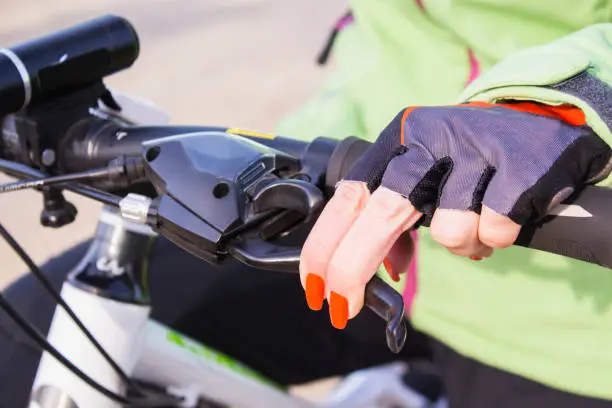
389	269
315	291
476	258
338	310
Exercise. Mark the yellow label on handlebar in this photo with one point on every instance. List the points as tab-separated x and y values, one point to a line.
250	133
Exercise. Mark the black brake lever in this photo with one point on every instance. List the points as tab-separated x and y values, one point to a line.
387	303
289	194
381	298
253	251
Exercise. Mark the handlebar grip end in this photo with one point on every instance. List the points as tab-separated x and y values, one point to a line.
576	229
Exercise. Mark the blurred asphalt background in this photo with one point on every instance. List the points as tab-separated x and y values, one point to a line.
242	63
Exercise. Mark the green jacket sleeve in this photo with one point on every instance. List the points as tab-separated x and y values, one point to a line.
575	70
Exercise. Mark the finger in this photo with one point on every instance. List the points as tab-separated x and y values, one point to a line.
385	217
325	236
417	175
457	231
496	230
528	196
466	184
373	164
398	259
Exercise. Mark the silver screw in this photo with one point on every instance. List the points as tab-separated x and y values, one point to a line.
47	157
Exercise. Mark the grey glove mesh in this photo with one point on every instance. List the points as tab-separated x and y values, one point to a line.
461	157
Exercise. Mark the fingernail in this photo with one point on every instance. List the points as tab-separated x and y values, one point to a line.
338	310
390	271
315	291
476	258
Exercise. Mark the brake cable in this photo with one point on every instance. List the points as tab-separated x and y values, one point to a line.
22	171
120	171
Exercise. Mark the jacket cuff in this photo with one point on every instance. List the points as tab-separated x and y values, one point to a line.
575	70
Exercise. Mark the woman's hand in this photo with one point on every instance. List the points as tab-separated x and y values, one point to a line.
478	171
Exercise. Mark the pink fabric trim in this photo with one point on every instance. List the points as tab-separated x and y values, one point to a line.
474	66
343	22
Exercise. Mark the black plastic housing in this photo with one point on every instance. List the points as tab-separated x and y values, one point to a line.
205	182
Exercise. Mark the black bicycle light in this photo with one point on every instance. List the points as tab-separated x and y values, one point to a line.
56	64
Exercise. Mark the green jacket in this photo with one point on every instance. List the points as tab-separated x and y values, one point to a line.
538	315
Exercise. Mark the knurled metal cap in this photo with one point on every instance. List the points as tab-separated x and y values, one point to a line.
135	207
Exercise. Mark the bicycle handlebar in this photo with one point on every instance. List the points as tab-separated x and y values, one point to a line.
94	142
